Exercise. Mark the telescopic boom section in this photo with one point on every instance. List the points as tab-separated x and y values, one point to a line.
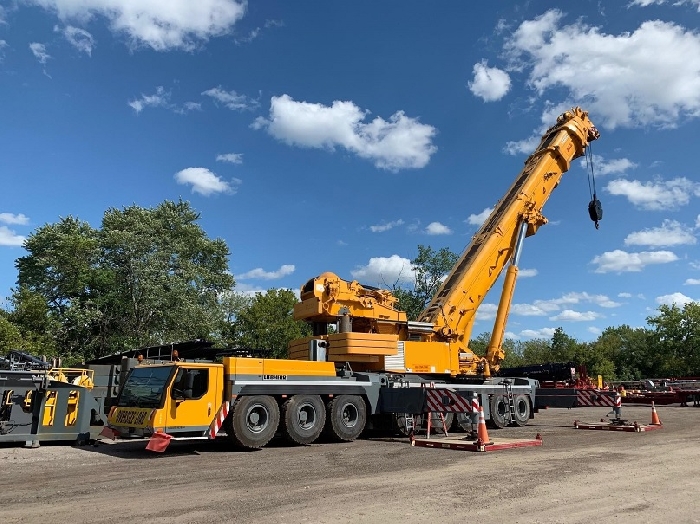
497	243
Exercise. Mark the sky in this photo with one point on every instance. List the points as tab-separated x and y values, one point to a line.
326	136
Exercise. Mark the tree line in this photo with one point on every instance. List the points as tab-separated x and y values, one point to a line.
151	276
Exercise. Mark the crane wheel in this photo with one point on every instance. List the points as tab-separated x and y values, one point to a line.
304	418
522	410
400	423
436	422
500	416
346	416
254	421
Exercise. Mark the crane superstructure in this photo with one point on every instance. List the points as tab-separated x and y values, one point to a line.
371	331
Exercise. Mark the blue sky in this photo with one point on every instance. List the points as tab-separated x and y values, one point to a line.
330	136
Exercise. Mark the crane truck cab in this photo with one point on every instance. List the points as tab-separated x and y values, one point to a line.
249	399
177	397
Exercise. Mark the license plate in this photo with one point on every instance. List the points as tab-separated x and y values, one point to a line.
132	417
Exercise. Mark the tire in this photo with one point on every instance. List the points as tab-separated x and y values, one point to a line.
522	410
436	423
254	421
500	415
463	421
304	417
400	424
346	416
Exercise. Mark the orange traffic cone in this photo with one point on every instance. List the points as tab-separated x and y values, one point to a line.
654	416
481	433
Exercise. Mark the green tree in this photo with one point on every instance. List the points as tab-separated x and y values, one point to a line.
674	340
537	351
626	348
61	263
148	276
430	268
511	347
31	315
564	348
168	276
266	322
10	336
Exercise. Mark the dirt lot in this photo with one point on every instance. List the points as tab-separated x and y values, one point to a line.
576	476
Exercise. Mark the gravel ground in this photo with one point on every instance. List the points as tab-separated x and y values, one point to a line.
576	476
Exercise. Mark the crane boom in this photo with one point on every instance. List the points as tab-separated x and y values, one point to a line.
497	243
371	331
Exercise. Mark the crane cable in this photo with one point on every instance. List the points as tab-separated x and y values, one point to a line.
595	208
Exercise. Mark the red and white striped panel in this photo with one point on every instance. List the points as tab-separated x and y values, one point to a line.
593	398
443	400
219	419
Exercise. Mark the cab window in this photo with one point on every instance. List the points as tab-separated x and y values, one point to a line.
190	383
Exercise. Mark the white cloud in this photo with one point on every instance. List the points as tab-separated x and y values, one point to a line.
3	43
601	166
671	233
284	270
584	297
161	98
205	182
386	226
401	142
39	52
569	315
159	24
11	218
436	228
486	312
480	218
657	195
692	282
489	83
188	106
622	261
78	38
527	273
383	270
630	295
543	308
9	237
255	33
538	333
594	330
677	299
231	99
529	310
248	290
526	146
616	76
647	3
232	158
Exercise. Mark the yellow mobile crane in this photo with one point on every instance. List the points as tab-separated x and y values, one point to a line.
378	365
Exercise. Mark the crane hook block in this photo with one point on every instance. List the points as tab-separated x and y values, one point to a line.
595	211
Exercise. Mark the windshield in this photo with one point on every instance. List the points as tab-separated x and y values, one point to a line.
144	387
